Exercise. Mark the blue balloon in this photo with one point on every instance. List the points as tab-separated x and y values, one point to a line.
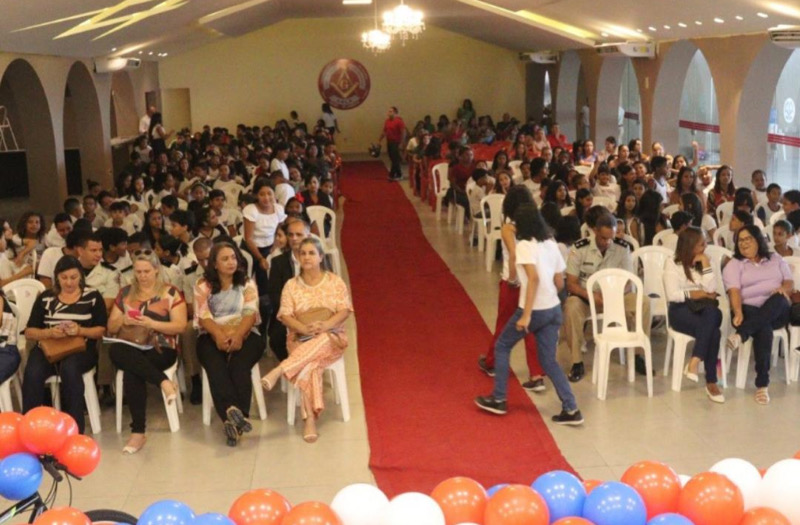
563	492
492	491
213	518
670	519
615	503
167	512
20	476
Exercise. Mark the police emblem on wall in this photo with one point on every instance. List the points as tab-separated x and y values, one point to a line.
344	83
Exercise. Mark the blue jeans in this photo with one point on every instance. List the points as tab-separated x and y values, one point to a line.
545	325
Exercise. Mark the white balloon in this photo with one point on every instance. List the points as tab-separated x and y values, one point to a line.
744	475
684	479
780	489
359	504
413	508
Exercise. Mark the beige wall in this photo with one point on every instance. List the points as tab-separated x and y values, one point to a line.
259	77
176	108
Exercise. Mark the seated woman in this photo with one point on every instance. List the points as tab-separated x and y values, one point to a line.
9	354
313	343
70	309
226	317
758	284
690	285
159	307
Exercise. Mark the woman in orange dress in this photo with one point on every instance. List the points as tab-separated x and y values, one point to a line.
314	307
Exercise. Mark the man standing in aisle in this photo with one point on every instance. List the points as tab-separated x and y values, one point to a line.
394	129
144	122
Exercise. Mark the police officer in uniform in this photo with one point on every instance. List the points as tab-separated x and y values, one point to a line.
587	256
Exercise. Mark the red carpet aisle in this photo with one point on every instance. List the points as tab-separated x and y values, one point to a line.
419	336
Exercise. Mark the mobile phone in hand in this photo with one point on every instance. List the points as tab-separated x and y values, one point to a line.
134	313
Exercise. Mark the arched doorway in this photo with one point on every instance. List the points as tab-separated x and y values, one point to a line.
698	119
29	166
83	131
569	80
618	102
124	121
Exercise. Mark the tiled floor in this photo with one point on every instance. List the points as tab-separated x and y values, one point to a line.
194	466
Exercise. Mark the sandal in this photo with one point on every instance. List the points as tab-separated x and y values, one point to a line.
231	433
129	449
762	396
237	417
311	438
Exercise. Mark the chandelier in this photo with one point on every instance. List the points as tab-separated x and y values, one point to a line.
403	22
376	40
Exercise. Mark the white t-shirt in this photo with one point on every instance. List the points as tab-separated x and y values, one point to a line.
144	125
329	119
53	239
279	165
265	224
47	264
284	192
548	261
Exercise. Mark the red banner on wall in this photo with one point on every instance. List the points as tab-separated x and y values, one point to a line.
698	126
794	142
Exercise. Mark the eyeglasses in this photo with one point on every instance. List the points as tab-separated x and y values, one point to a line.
744	240
146	253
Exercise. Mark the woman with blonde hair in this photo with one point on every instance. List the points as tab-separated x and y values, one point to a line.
314	307
148	306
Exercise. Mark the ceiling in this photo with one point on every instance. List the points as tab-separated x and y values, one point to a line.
149	28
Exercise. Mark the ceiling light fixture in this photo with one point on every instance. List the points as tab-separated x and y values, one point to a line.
667	27
639	31
763	15
653	29
376	40
698	22
356	2
739	18
719	21
681	24
403	22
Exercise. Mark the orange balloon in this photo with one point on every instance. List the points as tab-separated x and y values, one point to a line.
516	505
71	425
63	516
80	454
43	430
797	455
657	484
591	484
463	500
711	499
259	507
572	521
311	513
9	434
764	516
762	471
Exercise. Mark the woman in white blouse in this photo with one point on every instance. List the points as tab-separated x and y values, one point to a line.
690	286
261	219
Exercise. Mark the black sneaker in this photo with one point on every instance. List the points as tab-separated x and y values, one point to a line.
534	385
565	418
237	417
484	368
641	367
577	372
231	434
490	404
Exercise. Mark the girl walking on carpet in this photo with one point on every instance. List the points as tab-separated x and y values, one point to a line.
540	269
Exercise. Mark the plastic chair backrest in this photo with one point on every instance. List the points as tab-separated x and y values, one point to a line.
658	238
724	212
319	214
669	210
613	283
794	264
723	236
653	259
440	181
24	292
717	254
492	206
633	242
586	232
775	217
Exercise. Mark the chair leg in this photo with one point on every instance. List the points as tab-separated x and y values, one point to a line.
291	404
668	353
678	359
55	393
5	397
629	353
17	384
258	392
340	388
92	403
742	363
208	403
172	408
118	395
648	363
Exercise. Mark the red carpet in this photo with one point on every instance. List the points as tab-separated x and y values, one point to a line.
419	336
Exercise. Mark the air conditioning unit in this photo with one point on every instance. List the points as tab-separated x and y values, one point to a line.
628	49
109	65
540	57
785	36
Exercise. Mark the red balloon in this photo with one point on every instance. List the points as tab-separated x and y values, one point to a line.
657	484
463	500
591	484
63	516
311	513
762	471
797	455
80	454
9	434
72	426
516	505
764	516
259	507
572	521
711	499
43	430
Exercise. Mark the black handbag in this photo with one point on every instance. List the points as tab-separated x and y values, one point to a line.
698	305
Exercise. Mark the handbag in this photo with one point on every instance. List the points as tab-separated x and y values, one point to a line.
698	305
314	315
139	335
55	350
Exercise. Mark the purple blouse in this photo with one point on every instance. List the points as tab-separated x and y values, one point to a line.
756	281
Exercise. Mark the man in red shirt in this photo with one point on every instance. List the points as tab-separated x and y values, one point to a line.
555	138
394	129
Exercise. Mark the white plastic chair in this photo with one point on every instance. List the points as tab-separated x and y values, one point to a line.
677	343
258	393
658	239
779	337
775	217
89	396
320	215
172	408
586	232
653	259
14	381
633	242
669	210
339	383
794	331
716	256
614	331
440	186
724	212
723	236
23	293
492	208
514	165
608	202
